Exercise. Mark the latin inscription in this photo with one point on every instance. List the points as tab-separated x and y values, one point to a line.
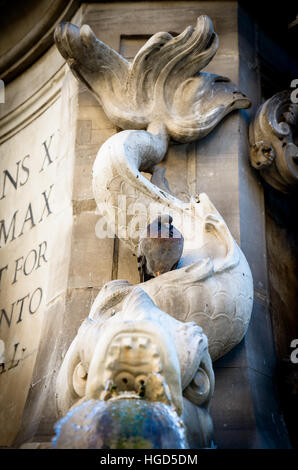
21	220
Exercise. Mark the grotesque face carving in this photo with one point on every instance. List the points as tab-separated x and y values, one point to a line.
262	155
139	353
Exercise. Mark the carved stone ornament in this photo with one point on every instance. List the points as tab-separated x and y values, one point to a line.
272	148
138	353
163	83
154	342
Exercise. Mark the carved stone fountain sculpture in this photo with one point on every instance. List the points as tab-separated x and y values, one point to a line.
152	345
272	148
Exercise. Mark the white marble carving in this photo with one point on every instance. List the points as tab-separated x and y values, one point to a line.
161	95
212	284
272	148
140	352
164	82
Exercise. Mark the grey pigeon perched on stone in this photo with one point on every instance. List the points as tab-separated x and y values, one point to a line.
160	248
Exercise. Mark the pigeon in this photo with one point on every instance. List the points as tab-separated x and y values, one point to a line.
159	249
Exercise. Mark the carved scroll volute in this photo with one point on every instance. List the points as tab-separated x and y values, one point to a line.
272	148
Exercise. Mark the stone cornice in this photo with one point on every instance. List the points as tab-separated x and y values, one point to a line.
20	54
33	107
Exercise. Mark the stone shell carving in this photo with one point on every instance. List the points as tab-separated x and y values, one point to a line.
272	148
163	83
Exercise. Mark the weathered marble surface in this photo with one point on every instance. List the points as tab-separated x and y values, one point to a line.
163	83
212	284
187	107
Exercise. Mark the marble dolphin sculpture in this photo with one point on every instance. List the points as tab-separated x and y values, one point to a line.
199	311
164	91
125	369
